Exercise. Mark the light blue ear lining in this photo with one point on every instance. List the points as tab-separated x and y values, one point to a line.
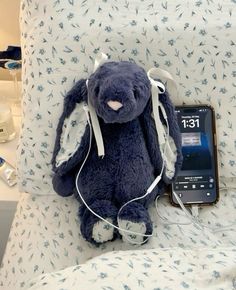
168	151
72	132
166	142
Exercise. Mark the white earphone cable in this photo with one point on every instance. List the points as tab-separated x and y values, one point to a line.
193	218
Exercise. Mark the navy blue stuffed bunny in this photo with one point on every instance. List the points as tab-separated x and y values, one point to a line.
120	93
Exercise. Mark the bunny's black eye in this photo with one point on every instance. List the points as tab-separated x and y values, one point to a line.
96	90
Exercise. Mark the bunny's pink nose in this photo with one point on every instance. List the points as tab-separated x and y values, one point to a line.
114	105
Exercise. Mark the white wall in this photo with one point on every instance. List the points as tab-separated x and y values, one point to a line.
9	28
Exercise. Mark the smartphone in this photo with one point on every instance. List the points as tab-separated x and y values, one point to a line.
197	181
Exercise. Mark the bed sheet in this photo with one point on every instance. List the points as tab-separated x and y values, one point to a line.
45	235
167	269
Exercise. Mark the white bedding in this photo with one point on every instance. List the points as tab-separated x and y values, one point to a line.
45	236
160	269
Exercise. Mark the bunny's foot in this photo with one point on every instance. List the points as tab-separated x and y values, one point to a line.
135	218
95	230
64	185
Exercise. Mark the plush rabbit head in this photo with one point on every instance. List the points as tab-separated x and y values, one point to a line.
119	91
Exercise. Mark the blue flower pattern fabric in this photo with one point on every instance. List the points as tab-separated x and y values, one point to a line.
193	40
45	237
166	269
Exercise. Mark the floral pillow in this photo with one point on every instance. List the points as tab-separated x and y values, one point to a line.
193	40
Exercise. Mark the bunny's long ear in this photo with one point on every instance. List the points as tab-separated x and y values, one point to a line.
72	131
162	146
172	153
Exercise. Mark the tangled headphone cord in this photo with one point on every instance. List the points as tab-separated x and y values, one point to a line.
193	216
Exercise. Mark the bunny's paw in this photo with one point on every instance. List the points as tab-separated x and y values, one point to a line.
103	232
95	230
135	220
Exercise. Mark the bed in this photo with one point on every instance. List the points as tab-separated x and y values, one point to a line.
194	41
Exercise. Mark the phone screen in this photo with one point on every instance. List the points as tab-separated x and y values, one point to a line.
197	181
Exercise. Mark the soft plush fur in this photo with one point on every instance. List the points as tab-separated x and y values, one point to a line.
132	155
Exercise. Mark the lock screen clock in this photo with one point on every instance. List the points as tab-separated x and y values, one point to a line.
191	123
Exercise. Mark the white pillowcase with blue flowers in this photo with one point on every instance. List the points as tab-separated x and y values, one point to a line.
194	41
